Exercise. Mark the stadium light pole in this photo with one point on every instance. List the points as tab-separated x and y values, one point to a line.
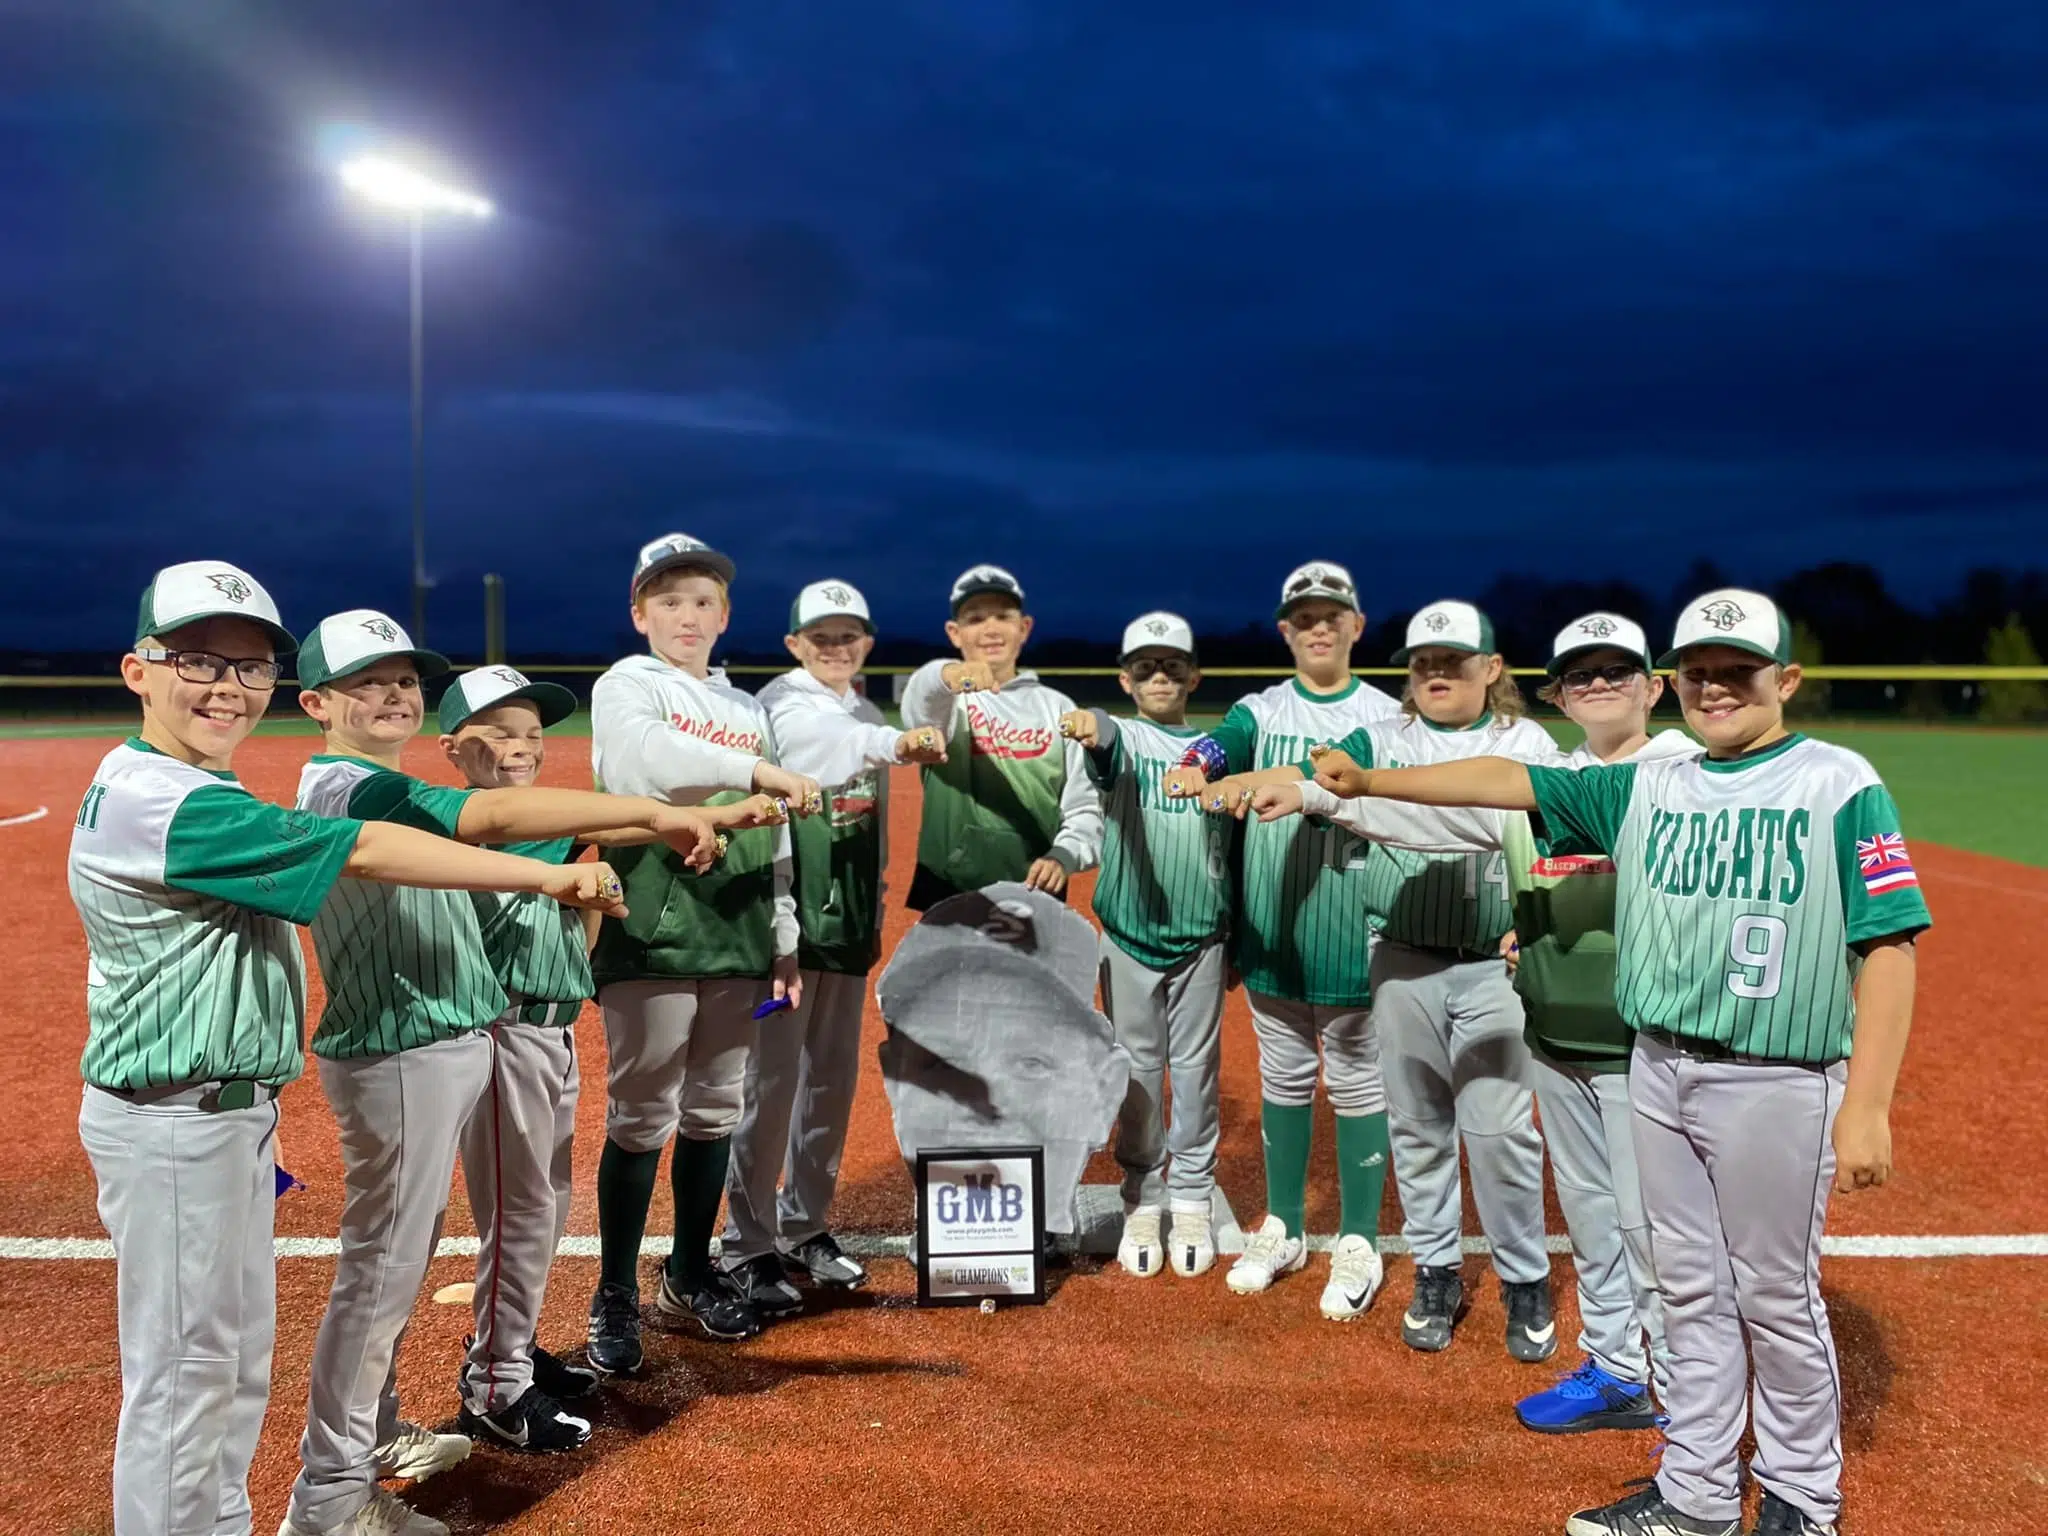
390	184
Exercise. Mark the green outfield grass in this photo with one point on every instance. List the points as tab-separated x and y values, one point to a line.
1984	790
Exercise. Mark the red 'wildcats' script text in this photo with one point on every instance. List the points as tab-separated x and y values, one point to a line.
1000	738
718	735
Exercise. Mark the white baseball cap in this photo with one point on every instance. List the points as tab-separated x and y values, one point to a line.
1599	632
674	549
985	578
1735	616
204	589
1162	630
344	643
1450	625
484	688
1318	579
829	600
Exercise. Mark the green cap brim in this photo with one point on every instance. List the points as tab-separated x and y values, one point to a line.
554	702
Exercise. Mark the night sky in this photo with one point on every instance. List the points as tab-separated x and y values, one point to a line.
1149	301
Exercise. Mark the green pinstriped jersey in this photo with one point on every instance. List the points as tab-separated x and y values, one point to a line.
403	967
1165	887
535	944
188	886
1444	901
1301	931
1742	886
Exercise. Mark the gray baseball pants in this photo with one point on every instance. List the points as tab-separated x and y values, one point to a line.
1737	1158
1297	1039
1456	1066
400	1118
799	1097
676	1057
1169	1021
188	1196
516	1161
1588	1127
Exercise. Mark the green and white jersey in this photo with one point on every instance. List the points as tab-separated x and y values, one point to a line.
842	741
1166	883
404	967
1741	886
1010	792
188	886
656	730
1301	932
1444	901
535	943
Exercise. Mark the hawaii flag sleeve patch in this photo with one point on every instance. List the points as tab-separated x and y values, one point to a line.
1885	864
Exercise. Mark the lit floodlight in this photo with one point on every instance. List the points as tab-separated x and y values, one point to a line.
392	185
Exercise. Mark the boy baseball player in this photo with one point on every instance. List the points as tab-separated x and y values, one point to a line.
680	980
1766	914
1450	1024
516	1149
1163	900
800	1082
404	1048
1010	800
188	887
1578	1042
1303	951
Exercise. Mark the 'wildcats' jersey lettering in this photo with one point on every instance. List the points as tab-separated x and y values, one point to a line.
1758	854
717	733
994	736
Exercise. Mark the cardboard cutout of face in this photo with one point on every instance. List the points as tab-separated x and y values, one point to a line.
994	1036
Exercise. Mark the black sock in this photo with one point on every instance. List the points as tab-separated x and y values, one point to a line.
625	1188
696	1174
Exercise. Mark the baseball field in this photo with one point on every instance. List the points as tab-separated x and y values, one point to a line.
1123	1404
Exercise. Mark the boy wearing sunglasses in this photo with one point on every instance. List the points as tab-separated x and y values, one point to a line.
1163	900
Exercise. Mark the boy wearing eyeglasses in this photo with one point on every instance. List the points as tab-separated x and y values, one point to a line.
1163	900
188	888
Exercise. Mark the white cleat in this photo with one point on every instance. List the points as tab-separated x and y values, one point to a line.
1139	1250
388	1515
1269	1254
1192	1246
1355	1277
417	1453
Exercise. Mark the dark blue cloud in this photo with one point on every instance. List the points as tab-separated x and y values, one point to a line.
1102	291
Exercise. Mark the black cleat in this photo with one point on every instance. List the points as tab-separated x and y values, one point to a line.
765	1285
536	1424
714	1304
614	1346
1532	1329
827	1264
559	1379
1438	1304
1778	1518
1644	1513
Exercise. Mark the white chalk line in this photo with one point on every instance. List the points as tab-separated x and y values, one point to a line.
1997	1245
25	817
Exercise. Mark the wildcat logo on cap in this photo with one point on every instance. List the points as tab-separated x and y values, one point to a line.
1436	623
837	594
1157	627
231	586
383	629
511	677
1723	615
1597	628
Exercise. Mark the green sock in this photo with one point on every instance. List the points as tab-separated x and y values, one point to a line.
625	1187
1362	1154
696	1174
1284	1129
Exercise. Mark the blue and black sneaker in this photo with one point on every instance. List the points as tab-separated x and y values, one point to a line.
1588	1399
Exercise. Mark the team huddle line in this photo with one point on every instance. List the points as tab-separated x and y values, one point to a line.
1694	951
